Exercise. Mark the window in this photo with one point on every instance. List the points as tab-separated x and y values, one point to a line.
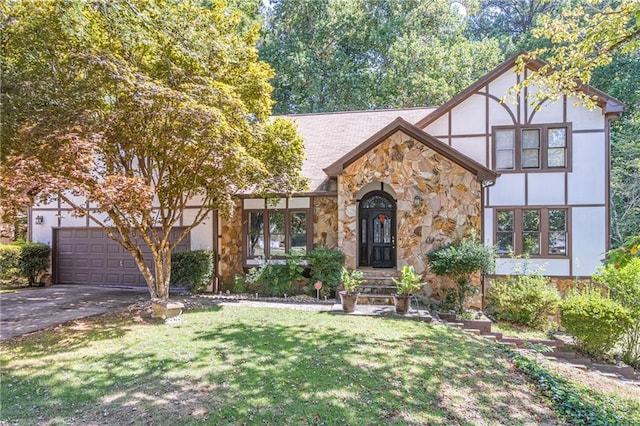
526	148
283	231
534	232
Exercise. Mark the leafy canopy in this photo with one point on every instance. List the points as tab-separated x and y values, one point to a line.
137	109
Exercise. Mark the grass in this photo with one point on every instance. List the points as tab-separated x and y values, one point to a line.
518	331
235	365
239	365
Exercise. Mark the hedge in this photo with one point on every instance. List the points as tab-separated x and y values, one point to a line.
26	260
194	269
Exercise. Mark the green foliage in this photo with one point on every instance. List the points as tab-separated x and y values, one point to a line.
523	299
409	282
335	55
35	259
623	282
170	96
272	279
25	259
459	261
576	405
582	38
352	280
325	266
193	268
596	321
9	261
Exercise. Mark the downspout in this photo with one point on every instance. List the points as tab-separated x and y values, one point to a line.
484	185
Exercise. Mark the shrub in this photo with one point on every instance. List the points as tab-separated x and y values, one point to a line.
9	261
34	260
325	267
193	268
26	260
273	279
597	322
623	282
523	299
459	261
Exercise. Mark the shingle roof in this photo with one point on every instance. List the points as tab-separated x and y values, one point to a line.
329	136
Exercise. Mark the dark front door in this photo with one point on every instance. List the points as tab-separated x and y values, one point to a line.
377	230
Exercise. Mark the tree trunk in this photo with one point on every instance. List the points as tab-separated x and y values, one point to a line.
163	272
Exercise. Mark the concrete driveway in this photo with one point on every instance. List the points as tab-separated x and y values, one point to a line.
31	310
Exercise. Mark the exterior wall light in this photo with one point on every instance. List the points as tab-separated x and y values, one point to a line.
416	201
39	220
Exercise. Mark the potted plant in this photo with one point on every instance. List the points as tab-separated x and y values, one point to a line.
350	282
409	283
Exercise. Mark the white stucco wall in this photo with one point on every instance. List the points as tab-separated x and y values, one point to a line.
586	182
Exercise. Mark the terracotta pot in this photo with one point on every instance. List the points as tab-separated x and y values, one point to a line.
402	303
349	301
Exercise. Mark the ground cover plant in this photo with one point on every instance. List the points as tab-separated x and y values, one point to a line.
235	365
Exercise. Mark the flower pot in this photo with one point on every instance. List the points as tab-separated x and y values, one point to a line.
349	300
402	304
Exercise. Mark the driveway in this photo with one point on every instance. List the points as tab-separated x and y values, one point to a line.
31	310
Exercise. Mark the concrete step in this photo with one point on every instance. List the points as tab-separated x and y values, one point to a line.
377	289
496	334
455	325
473	331
375	299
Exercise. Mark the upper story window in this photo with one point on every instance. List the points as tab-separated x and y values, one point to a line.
530	148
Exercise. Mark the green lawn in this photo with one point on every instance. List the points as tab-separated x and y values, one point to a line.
237	365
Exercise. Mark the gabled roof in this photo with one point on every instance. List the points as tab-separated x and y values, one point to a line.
399	124
329	136
609	104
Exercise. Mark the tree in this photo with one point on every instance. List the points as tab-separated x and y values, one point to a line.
130	110
509	21
583	38
333	55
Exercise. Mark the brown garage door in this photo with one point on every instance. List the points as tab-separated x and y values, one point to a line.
88	256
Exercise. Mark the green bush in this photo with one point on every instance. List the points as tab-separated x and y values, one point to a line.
459	261
623	282
34	260
523	299
9	261
597	322
26	260
193	268
273	279
325	267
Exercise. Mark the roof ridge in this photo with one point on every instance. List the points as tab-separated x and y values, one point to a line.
357	111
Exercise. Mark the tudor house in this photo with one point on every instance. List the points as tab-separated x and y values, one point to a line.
388	186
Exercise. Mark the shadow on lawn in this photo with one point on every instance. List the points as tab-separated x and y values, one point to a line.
309	373
314	369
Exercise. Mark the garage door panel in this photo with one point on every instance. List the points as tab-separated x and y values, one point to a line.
88	256
82	263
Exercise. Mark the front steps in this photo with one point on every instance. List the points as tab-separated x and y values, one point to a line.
376	296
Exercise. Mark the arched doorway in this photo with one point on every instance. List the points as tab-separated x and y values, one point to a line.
377	230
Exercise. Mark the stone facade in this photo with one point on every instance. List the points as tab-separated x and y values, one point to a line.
450	199
231	247
325	222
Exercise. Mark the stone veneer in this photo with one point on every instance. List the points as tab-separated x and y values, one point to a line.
450	194
325	222
231	247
